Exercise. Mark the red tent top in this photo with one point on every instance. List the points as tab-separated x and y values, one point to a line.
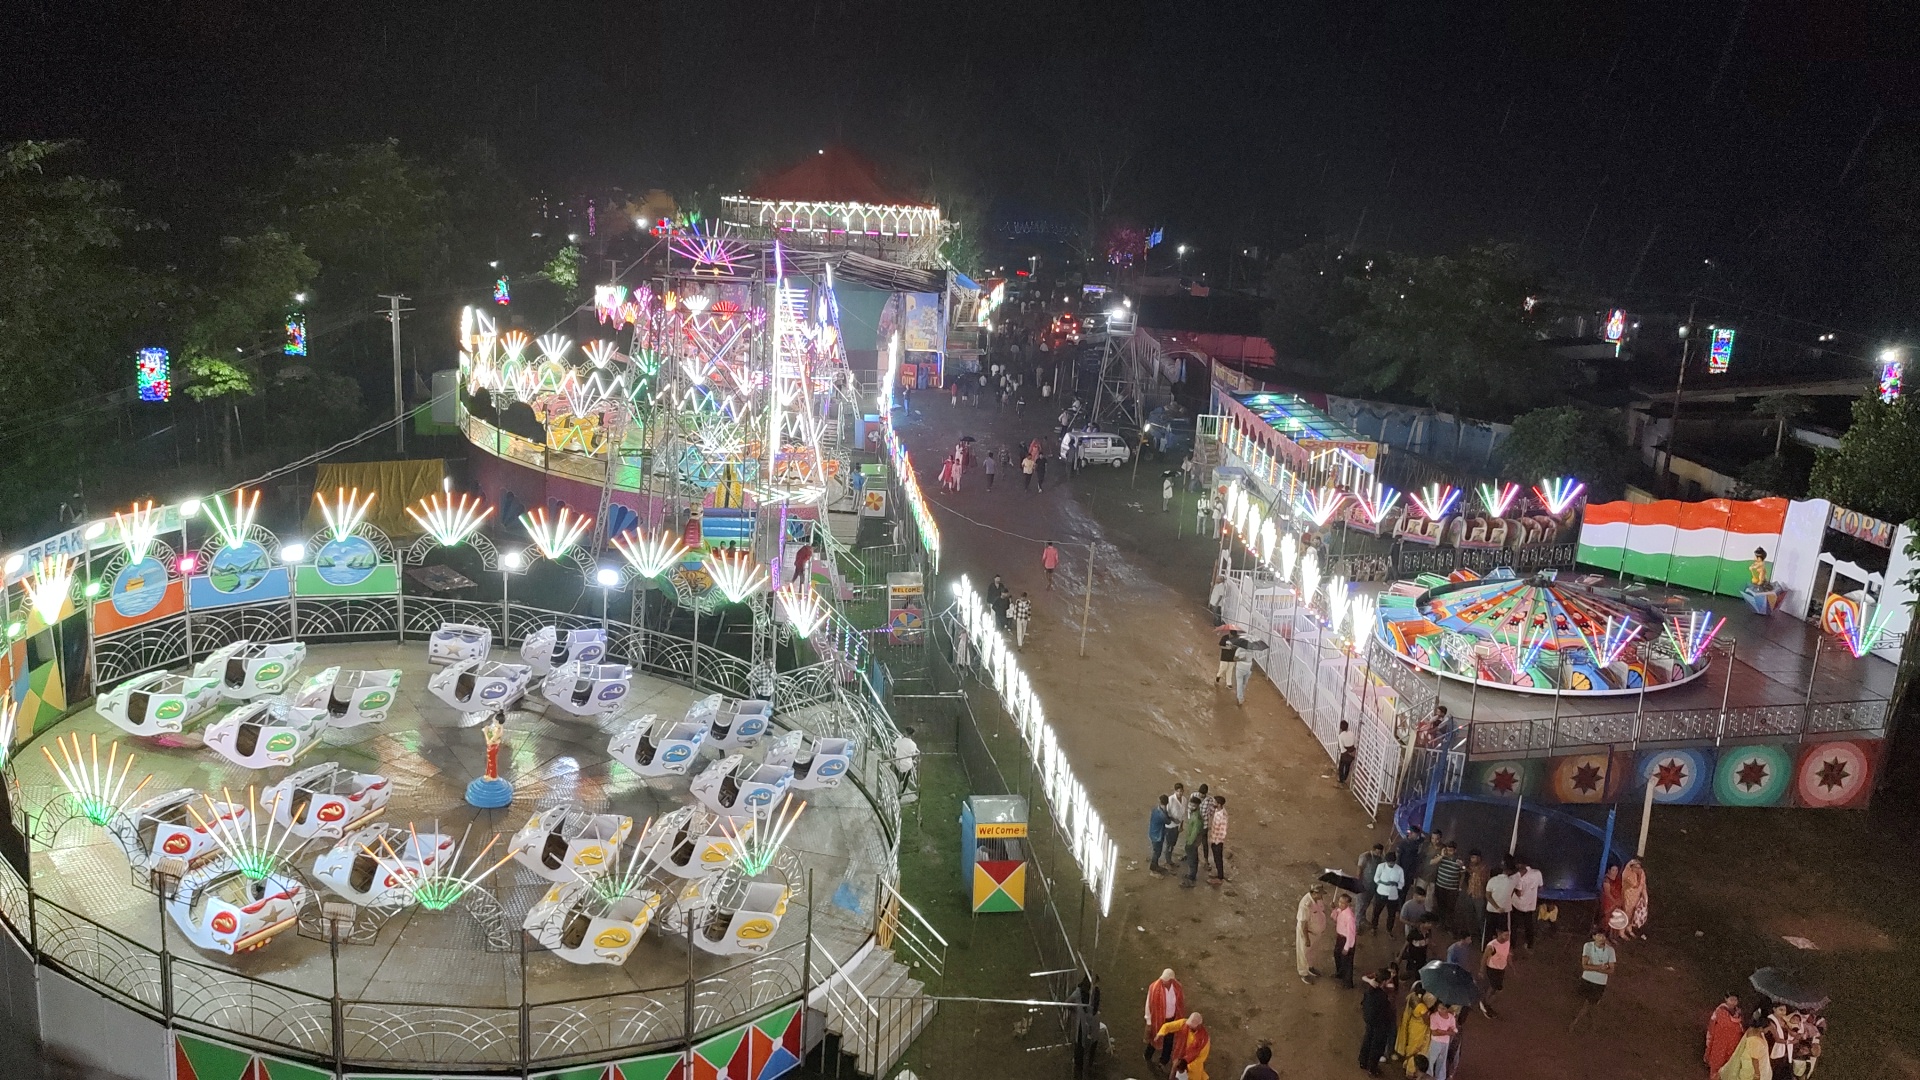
835	174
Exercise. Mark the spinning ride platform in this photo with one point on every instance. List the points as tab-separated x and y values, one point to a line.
1541	635
444	987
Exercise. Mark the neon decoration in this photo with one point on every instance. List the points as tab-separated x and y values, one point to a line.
153	374
1435	501
257	851
1309	577
1860	639
47	585
1360	612
449	519
650	555
1528	642
554	537
1289	555
1092	847
98	791
1377	503
600	353
709	253
608	302
296	335
1337	599
1893	363
1320	504
232	522
1559	494
346	512
136	529
737	574
553	347
1268	534
1690	635
8	712
1720	352
1616	325
1497	499
756	843
625	877
803	607
502	292
438	885
1613	641
910	486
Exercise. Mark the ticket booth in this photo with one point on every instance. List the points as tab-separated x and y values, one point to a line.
993	851
906	601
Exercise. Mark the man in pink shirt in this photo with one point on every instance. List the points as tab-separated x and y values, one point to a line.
1050	561
1346	938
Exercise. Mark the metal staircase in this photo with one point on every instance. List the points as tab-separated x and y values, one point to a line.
876	1007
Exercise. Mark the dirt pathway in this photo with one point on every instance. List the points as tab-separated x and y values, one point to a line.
1140	712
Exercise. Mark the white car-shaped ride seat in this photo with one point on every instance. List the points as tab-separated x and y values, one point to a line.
654	746
265	734
583	927
588	689
326	800
550	647
164	829
690	843
158	702
222	910
247	671
481	685
350	698
816	762
732	916
561	843
732	723
736	787
455	642
366	866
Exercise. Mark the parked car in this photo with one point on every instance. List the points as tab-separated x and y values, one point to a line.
1100	448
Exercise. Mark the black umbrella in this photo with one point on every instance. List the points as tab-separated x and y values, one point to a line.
1341	880
1785	987
1451	984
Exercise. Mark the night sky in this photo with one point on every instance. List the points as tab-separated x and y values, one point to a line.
1732	128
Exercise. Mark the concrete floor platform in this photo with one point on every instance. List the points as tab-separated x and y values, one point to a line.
430	752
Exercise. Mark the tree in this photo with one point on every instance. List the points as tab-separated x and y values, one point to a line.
1782	408
238	307
1315	290
375	219
1873	470
1451	331
1568	440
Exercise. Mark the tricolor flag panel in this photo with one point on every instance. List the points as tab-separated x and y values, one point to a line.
1701	545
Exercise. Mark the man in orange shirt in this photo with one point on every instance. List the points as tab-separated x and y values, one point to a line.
1191	1044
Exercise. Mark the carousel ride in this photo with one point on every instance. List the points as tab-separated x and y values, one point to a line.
270	811
1538	634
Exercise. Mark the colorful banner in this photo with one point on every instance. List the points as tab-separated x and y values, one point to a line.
243	574
348	566
1701	545
1836	775
1832	775
140	592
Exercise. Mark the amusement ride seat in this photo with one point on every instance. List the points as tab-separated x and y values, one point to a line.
576	929
247	738
137	707
555	851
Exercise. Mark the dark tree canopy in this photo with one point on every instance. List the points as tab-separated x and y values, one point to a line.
1874	471
1568	440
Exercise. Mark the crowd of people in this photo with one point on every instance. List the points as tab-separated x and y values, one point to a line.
1189	832
1768	1041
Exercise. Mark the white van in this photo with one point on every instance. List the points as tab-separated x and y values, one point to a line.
1100	448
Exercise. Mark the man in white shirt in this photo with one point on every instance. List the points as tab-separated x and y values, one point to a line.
1499	903
1349	749
1526	899
1388	880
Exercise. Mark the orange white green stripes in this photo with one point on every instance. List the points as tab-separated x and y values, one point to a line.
1701	545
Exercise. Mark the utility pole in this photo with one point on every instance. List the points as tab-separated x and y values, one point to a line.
394	311
1673	419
